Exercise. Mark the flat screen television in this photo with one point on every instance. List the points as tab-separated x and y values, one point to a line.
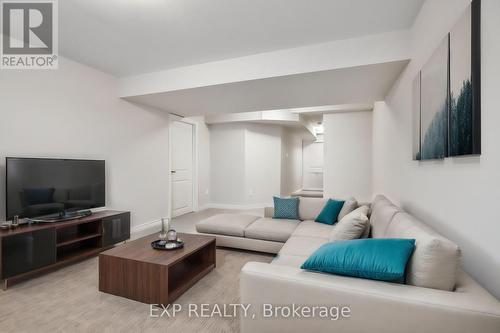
39	187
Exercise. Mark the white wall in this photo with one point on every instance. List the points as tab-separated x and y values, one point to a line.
348	155
457	196
291	161
262	163
227	164
73	112
245	164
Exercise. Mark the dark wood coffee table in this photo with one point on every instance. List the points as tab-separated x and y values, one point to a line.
136	271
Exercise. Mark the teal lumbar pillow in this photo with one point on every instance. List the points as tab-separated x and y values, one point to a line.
330	212
373	258
286	208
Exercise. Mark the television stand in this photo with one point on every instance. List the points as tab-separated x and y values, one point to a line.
34	249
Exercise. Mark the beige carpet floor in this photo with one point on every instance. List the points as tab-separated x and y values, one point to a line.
68	300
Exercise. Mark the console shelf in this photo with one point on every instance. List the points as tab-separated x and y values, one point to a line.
82	253
34	249
78	239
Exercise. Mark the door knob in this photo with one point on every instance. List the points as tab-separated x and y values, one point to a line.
172	171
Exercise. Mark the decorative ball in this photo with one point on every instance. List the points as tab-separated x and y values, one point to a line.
172	235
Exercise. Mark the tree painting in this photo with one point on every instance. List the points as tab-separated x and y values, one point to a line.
461	91
461	121
433	145
416	118
446	94
434	104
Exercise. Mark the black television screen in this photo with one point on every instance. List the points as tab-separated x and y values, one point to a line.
41	186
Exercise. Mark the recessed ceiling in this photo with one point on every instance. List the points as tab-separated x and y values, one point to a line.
126	37
361	84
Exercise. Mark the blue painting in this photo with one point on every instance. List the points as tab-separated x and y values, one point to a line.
446	94
434	104
461	93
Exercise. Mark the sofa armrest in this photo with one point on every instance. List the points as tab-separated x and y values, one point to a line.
268	212
374	306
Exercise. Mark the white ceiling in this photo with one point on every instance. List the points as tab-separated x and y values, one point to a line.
361	84
125	37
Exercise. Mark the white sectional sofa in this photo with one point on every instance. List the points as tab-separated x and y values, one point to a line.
265	234
437	296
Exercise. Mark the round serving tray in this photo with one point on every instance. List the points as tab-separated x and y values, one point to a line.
167	245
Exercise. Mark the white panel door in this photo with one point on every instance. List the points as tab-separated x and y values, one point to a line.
181	156
312	165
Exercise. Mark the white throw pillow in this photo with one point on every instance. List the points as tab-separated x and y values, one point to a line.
351	226
349	206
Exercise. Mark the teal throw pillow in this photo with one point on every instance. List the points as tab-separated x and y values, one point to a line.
286	208
371	258
330	212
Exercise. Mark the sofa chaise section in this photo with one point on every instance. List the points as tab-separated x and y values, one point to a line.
277	230
226	224
230	230
265	234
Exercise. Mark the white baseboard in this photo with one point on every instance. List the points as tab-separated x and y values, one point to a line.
203	207
145	229
233	206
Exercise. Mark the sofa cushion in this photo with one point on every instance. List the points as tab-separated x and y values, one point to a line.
302	246
278	230
330	212
286	208
226	224
380	199
309	208
313	229
289	260
268	212
377	259
381	216
349	205
352	226
435	261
